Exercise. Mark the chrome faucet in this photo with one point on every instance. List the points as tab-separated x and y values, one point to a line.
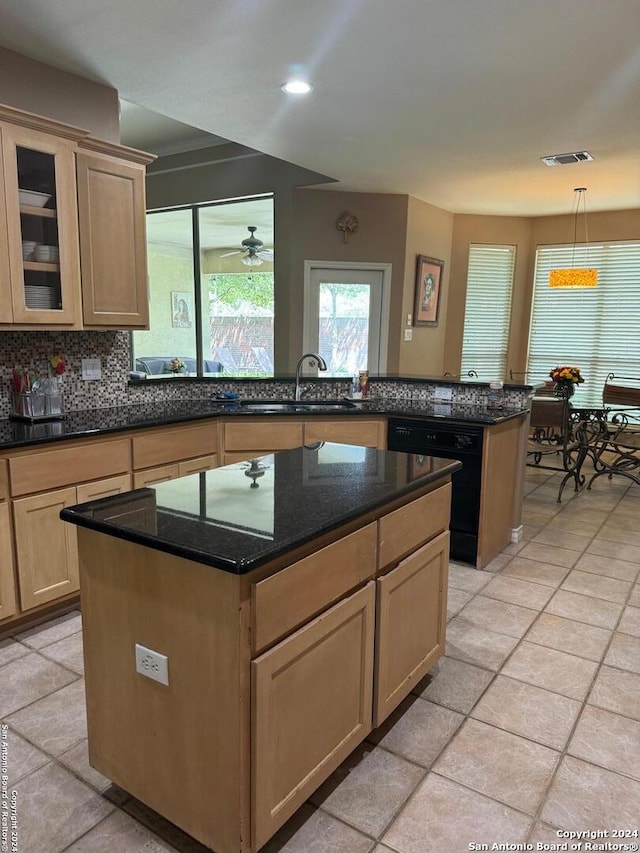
314	360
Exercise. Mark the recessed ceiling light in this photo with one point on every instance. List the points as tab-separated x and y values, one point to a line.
297	87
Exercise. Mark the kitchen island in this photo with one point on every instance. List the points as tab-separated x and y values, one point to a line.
247	627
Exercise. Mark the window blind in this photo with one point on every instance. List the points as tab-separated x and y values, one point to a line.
596	329
487	312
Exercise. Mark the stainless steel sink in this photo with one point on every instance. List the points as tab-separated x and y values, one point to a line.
324	406
267	406
303	406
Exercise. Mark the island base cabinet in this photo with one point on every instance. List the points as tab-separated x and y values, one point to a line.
411	622
312	703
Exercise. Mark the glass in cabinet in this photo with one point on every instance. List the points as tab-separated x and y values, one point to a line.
42	228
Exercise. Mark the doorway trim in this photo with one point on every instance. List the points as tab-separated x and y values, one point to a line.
385	269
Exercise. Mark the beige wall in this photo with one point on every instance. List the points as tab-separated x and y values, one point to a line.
429	232
380	238
38	88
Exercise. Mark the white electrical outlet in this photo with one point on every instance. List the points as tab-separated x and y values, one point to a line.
408	334
91	368
443	394
152	664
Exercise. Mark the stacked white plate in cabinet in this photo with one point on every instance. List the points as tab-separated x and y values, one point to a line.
38	296
28	248
33	198
46	254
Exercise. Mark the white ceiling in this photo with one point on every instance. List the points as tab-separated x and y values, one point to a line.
451	101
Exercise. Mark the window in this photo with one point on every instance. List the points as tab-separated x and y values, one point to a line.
595	329
210	312
487	312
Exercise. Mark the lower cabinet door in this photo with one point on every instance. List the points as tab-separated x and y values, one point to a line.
410	628
311	706
46	547
8	605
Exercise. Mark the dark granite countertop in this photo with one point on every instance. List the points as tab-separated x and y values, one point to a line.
218	518
83	424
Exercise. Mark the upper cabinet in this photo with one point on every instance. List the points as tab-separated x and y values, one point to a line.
113	246
72	228
42	228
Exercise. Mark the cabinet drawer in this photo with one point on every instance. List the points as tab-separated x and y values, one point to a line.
156	475
364	432
196	466
4	479
276	435
311	705
405	529
39	472
103	488
172	445
410	624
302	590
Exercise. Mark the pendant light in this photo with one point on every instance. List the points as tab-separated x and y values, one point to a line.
576	276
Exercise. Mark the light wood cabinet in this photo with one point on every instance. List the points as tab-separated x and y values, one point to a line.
46	548
87	205
113	250
103	488
151	476
42	292
274	675
251	438
411	621
174	444
311	706
8	601
359	430
198	465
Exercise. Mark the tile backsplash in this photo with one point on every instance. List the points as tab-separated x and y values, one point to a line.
31	351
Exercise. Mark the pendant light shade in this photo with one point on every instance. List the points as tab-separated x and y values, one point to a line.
576	276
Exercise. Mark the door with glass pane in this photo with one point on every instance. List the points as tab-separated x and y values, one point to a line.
42	227
344	320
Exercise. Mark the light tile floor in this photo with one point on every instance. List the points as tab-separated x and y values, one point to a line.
529	724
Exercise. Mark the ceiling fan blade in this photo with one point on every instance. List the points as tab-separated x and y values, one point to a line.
228	254
265	254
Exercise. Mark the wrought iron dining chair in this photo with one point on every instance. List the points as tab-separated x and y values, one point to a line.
556	437
616	446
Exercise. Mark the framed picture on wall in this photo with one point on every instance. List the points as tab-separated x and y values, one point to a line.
428	289
181	310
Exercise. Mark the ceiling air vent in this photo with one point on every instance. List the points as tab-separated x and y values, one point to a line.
564	159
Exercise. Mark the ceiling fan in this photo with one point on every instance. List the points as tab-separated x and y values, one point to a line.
252	250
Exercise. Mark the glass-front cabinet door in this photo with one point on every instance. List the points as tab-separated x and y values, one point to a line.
42	228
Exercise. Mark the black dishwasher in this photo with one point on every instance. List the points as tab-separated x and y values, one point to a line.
450	441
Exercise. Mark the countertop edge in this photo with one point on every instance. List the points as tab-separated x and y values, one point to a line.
226	410
73	515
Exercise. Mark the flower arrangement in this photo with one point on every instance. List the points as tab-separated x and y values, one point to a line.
566	374
57	365
177	365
